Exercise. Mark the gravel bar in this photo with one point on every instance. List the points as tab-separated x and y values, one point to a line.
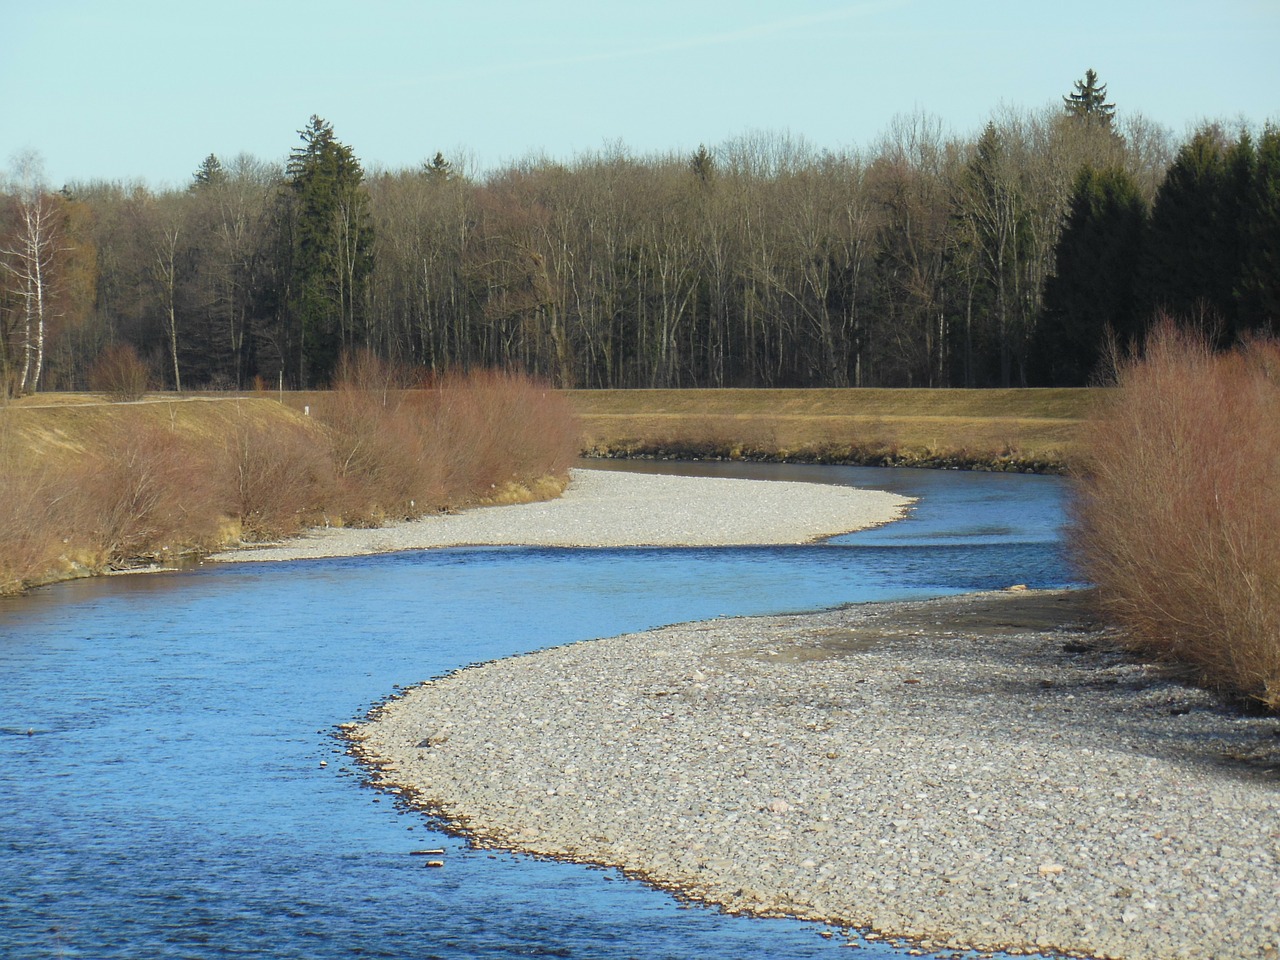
983	772
603	508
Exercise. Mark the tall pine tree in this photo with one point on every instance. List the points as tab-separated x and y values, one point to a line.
1091	293
1193	248
1089	102
331	250
1258	283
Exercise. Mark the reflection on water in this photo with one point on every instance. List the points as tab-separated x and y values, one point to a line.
170	799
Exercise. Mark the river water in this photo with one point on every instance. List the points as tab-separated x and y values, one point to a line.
171	785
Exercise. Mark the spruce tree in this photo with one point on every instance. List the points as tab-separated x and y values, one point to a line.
438	170
331	255
1091	294
703	164
1193	249
210	173
1258	284
1089	102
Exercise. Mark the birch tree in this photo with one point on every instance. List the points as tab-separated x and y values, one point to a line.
28	262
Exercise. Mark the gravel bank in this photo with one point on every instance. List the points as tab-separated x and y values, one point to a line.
602	508
985	771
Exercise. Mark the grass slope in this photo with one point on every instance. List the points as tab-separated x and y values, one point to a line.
992	429
87	485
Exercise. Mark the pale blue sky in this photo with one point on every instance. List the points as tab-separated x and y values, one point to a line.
145	89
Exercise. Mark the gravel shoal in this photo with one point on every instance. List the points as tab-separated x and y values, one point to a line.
988	771
602	508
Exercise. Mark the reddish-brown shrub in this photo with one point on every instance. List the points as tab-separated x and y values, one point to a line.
276	479
378	457
31	530
148	487
145	492
1178	508
119	373
400	452
489	429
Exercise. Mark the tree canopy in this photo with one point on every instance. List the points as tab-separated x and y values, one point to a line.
1091	294
1089	101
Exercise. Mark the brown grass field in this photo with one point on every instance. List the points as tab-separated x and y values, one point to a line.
1000	429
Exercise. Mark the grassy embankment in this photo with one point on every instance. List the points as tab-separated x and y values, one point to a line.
1178	509
974	429
90	486
87	486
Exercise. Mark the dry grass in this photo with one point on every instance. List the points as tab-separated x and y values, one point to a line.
87	486
1178	515
1035	428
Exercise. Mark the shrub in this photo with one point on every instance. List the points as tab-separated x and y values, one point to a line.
1177	515
31	527
145	491
144	485
401	451
490	431
119	373
276	479
379	461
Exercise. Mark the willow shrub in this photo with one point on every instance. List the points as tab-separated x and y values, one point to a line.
1177	516
376	450
402	447
276	478
31	530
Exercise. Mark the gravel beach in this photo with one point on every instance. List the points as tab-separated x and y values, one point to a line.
602	508
988	771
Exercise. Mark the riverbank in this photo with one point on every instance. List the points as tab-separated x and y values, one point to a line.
1014	430
987	771
602	508
93	487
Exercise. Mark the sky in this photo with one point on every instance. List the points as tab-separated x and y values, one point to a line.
144	90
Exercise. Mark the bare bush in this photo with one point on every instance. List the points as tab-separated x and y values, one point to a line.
278	478
144	487
146	492
119	373
491	430
1178	508
401	452
378	456
31	530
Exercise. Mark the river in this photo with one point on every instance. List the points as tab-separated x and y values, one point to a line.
172	785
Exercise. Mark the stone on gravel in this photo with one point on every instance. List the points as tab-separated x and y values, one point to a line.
1038	789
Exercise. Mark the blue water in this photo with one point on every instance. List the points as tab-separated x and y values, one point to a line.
169	799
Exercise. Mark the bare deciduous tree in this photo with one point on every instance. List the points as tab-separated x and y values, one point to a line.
28	260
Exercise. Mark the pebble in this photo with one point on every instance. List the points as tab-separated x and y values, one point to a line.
781	766
612	508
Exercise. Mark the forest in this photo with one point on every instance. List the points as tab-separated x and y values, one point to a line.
1011	257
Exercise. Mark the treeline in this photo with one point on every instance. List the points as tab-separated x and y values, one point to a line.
923	260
